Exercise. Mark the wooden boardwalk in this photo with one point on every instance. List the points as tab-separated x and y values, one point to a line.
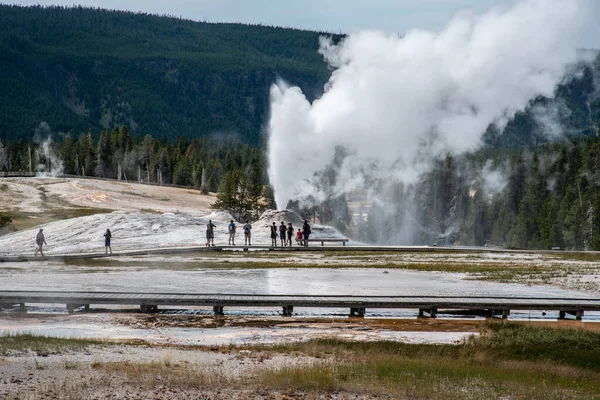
426	305
312	248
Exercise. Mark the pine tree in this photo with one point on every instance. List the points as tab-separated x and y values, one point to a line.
232	195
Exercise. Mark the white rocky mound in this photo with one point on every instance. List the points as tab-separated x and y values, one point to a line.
138	230
286	216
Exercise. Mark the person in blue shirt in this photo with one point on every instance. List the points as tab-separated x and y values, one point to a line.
231	229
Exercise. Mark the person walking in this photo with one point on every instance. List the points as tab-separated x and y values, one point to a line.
274	235
107	236
282	230
231	228
40	240
290	233
210	233
247	233
306	232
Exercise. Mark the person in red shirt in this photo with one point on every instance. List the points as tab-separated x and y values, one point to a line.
299	237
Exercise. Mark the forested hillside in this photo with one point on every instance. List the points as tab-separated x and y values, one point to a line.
79	68
76	69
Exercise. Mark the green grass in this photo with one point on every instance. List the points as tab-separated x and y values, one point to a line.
24	220
498	271
137	194
42	345
574	347
507	361
498	340
150	211
577	256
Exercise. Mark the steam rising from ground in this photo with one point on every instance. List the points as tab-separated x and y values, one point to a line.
394	103
49	163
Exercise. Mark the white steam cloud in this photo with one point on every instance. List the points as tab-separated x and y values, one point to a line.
393	103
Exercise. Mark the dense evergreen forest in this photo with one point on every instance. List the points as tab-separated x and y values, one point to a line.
543	198
79	68
199	163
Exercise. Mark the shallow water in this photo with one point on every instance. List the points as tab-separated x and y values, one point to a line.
297	281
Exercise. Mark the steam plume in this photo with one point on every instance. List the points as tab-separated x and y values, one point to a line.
394	103
49	164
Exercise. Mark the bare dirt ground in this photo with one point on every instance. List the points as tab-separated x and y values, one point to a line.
139	369
39	194
134	372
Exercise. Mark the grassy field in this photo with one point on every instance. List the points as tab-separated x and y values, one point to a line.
42	345
508	361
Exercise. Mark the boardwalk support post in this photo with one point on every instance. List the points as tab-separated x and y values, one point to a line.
431	311
288	311
72	306
578	314
357	312
148	308
562	314
503	313
218	310
22	308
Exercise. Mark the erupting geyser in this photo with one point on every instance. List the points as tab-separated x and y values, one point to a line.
395	102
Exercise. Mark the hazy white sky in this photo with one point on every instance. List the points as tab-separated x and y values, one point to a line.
328	15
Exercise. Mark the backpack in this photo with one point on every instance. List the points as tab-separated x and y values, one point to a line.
231	228
246	229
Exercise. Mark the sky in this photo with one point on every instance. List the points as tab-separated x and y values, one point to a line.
337	16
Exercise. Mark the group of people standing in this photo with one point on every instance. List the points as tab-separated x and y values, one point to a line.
231	229
285	235
287	232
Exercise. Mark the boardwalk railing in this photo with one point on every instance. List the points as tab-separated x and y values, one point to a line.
427	305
